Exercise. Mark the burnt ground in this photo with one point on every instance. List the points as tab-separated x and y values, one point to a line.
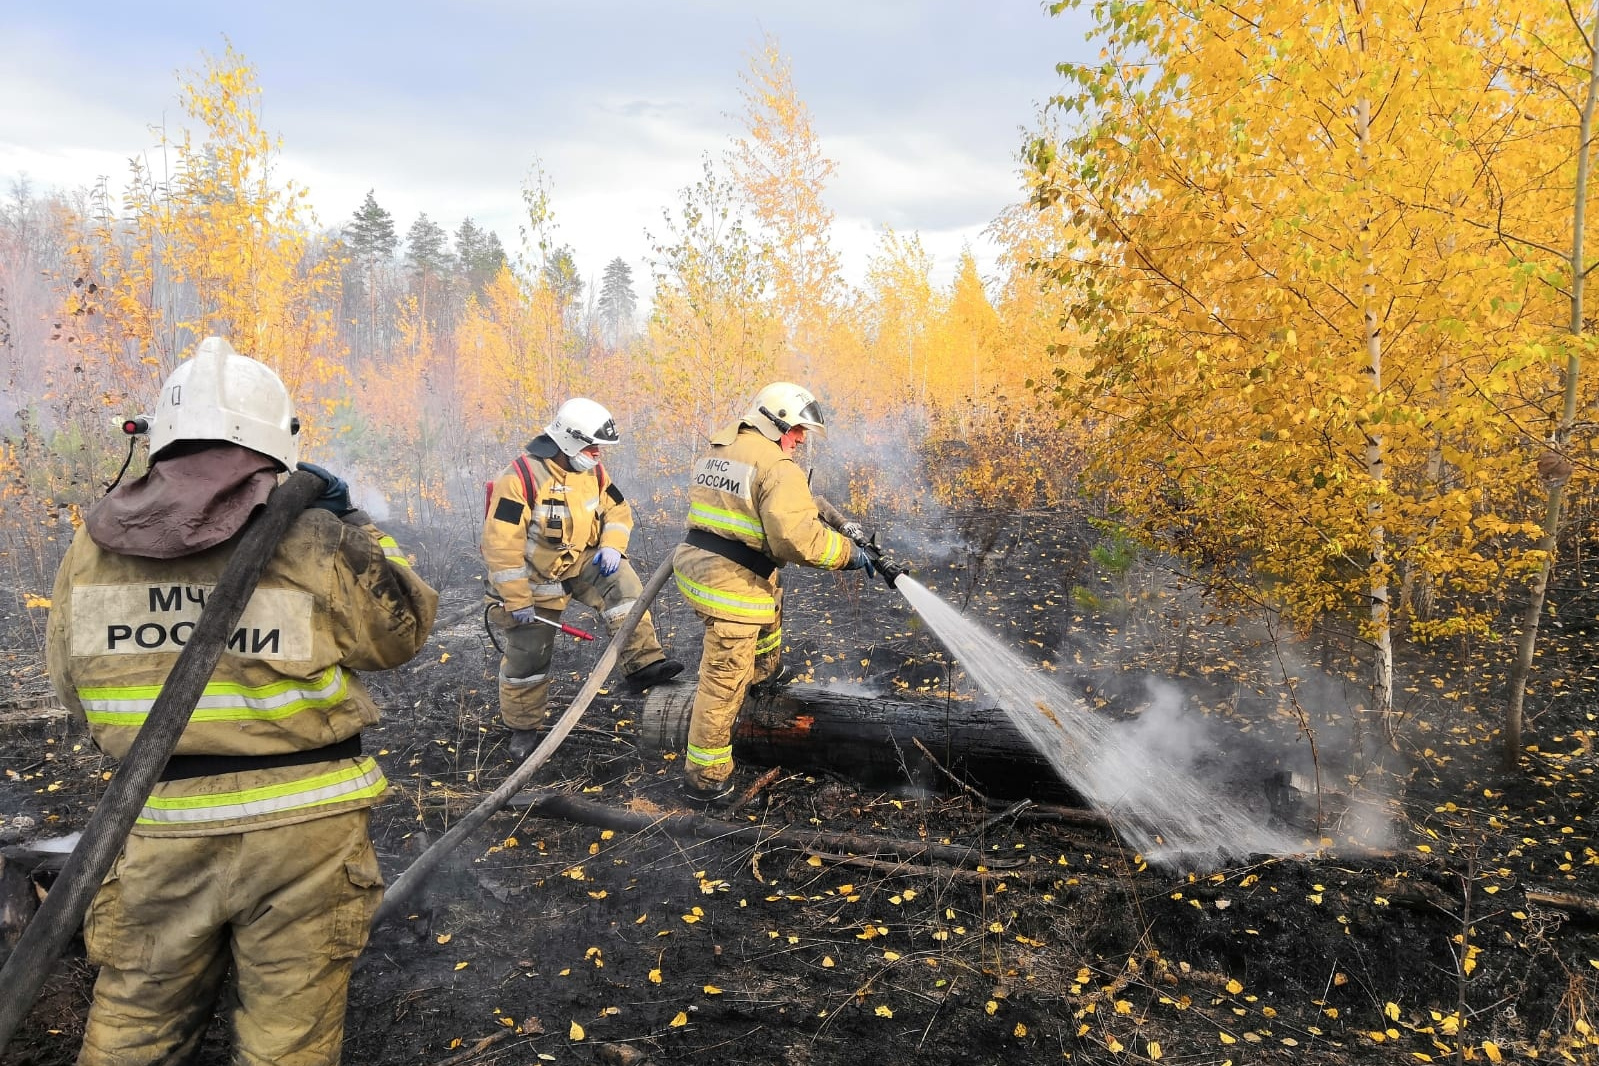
1040	937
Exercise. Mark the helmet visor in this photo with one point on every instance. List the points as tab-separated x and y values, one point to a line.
809	415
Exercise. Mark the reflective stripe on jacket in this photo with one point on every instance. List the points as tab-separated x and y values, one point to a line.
746	490
334	598
530	548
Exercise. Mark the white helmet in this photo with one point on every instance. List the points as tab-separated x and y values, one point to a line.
579	423
779	407
220	395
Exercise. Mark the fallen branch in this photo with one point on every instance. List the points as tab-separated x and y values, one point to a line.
702	827
761	783
910	869
477	1049
1048	812
957	782
1576	902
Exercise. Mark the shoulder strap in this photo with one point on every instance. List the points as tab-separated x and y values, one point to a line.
528	491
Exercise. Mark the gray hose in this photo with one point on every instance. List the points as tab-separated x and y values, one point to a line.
61	913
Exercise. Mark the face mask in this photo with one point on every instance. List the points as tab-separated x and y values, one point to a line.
582	462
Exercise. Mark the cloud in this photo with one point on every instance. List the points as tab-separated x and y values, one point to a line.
443	109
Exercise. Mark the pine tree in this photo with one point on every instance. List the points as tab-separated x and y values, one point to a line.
370	235
618	303
371	239
427	247
560	274
427	254
479	253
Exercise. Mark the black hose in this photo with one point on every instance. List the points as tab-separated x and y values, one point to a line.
61	913
489	628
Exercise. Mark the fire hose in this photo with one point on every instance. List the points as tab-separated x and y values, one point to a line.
418	871
61	914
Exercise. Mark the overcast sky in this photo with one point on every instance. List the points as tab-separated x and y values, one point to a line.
443	106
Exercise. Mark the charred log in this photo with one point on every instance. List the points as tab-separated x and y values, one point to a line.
877	742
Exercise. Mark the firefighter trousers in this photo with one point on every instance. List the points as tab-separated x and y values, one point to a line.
528	649
286	908
735	656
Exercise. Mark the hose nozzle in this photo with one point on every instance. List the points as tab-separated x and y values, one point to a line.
890	570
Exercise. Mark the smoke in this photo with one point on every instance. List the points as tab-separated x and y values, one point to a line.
1254	706
370	499
1168	731
847	687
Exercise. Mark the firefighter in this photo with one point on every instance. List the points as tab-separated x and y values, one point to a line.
750	512
252	853
557	527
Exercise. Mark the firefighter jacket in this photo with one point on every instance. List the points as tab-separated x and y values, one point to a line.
274	739
543	523
748	493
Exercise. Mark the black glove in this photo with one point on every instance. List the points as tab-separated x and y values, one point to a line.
859	560
335	492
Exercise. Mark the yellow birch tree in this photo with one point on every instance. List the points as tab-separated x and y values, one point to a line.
1268	223
713	335
780	171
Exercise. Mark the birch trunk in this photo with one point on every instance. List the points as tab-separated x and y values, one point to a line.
1568	415
1382	681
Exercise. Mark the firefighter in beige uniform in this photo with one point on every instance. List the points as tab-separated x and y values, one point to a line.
750	512
252	852
557	527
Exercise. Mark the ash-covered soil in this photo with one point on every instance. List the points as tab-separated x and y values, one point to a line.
1443	910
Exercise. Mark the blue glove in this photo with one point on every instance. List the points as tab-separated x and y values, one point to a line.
607	560
859	560
335	491
525	616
